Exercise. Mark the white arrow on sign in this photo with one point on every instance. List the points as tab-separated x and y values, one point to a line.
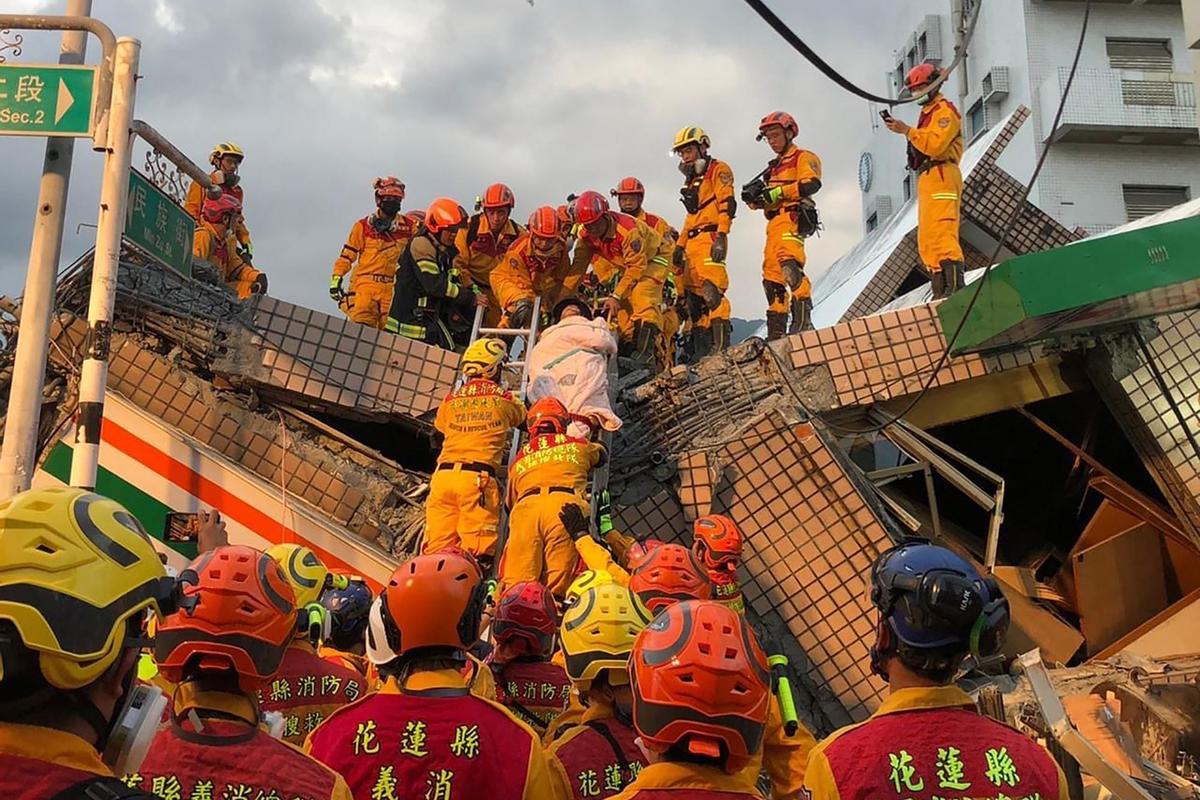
65	101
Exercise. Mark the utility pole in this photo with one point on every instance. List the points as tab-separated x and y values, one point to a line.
19	452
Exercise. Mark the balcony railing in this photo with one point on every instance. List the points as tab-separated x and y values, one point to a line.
1108	105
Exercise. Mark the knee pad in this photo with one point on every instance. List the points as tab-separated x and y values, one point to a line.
711	294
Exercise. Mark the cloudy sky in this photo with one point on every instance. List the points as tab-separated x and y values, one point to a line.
550	97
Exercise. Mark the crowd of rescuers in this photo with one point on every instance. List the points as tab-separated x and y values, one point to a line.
255	675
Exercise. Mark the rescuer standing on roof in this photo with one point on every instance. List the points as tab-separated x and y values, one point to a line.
215	242
537	265
703	242
79	581
935	147
481	245
428	285
219	655
523	630
784	192
424	734
226	159
927	739
307	688
476	421
631	194
372	251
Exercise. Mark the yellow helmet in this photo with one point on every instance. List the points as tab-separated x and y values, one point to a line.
225	149
598	634
691	135
483	357
303	570
78	578
588	579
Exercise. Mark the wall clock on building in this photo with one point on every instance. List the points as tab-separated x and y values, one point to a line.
866	171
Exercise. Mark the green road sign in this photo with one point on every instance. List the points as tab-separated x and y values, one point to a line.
156	225
46	100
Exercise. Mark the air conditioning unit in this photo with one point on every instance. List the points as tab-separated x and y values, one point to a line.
883	206
931	30
995	84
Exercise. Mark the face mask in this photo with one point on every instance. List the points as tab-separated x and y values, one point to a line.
226	179
925	99
133	727
389	207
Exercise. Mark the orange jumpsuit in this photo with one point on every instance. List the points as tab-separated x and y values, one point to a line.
714	214
925	742
230	757
307	689
37	762
195	201
785	758
480	250
791	169
432	738
217	244
936	146
593	764
549	472
372	255
523	275
636	260
669	323
667	780
463	507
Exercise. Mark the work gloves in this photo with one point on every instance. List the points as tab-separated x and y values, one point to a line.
604	522
574	520
521	313
720	247
678	257
335	288
772	195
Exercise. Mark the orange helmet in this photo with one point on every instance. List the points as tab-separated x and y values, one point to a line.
216	210
444	214
432	600
667	575
547	415
717	542
497	196
921	75
243	622
640	549
590	207
389	187
527	613
629	185
780	118
416	216
701	681
544	223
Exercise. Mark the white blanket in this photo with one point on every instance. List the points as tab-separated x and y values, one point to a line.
570	362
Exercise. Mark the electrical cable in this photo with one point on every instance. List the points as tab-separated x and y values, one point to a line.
788	35
941	362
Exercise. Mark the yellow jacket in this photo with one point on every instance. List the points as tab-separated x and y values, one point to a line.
784	757
691	781
632	252
480	249
655	223
938	132
369	252
522	275
610	559
219	248
477	419
792	168
716	203
553	460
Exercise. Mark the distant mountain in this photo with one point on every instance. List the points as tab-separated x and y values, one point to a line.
745	328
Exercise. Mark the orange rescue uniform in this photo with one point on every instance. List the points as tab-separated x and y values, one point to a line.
598	757
549	472
463	507
231	756
633	261
371	256
217	245
37	763
935	148
715	207
523	275
307	689
792	168
669	780
785	758
926	742
432	737
480	250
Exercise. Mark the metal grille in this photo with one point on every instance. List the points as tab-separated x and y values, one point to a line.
1148	93
995	83
1142	201
1148	55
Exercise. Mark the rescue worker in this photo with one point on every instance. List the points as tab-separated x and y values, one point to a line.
307	688
717	544
550	471
428	285
607	554
701	697
703	242
483	242
345	643
671	322
476	421
598	757
226	159
935	147
219	655
423	733
784	192
631	261
214	241
536	265
523	634
926	739
370	254
631	194
70	711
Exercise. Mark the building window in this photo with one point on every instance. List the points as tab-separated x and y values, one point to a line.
872	221
977	120
1148	55
1142	201
922	48
908	186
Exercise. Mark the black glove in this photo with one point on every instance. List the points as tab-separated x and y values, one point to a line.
574	520
521	313
677	258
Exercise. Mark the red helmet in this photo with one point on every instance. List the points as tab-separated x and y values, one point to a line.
544	223
527	613
389	187
701	681
497	196
717	542
780	118
640	549
590	207
216	210
243	622
433	600
547	415
416	216
629	185
920	75
444	214
668	574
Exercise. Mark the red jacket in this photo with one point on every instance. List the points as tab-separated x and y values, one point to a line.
598	757
536	691
307	689
37	763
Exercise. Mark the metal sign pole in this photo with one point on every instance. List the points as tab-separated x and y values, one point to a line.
113	195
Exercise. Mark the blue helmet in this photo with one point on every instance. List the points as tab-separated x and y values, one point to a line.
933	599
348	609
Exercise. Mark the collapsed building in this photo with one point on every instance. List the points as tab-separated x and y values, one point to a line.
1055	444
